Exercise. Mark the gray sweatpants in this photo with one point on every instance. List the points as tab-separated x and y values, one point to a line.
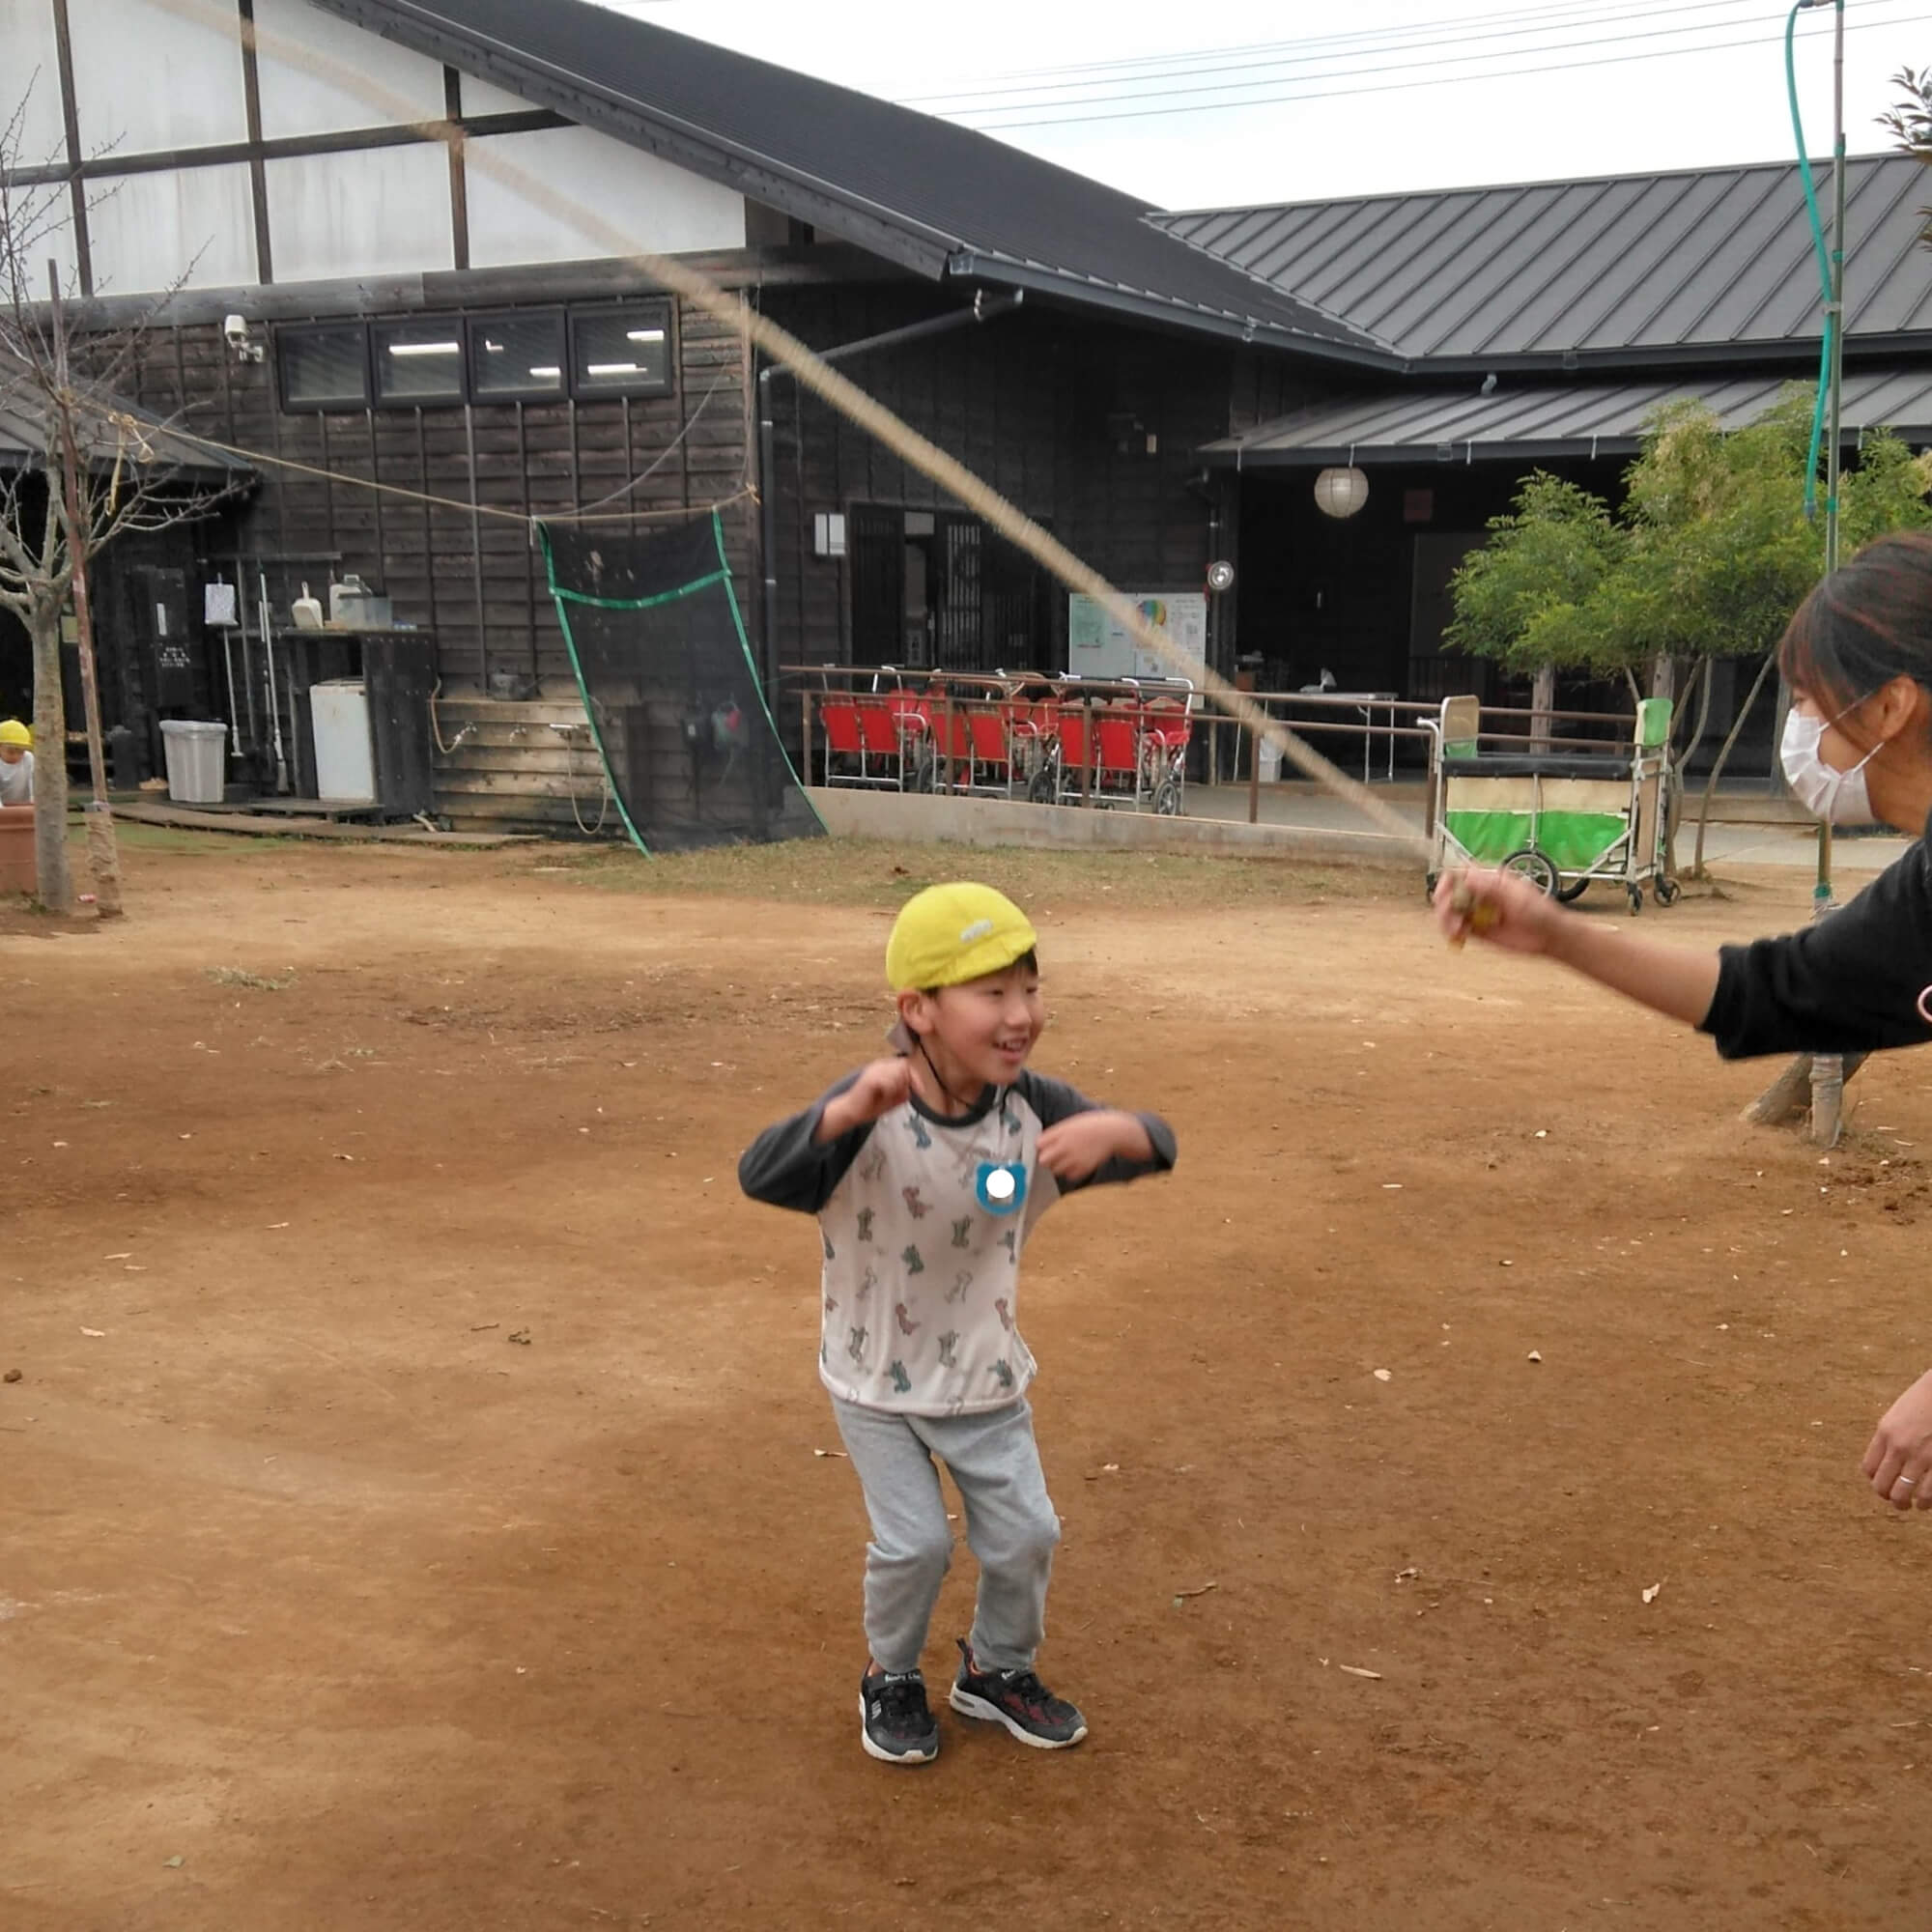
1010	1525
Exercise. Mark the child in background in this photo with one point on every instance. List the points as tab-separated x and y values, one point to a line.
927	1171
16	763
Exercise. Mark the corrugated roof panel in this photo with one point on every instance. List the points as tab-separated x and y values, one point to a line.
1553	420
1679	260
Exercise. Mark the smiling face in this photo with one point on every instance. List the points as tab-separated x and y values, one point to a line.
978	1034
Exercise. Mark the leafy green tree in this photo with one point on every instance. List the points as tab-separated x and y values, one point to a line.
1706	559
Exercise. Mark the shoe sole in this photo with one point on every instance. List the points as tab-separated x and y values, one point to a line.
885	1756
970	1706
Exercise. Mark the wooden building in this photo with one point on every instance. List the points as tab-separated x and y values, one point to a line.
418	352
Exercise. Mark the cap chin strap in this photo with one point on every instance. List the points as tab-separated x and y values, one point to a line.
964	1106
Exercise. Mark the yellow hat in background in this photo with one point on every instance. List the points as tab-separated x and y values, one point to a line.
949	934
13	732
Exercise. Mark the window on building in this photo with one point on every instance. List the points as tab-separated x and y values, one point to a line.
325	365
418	362
516	357
621	352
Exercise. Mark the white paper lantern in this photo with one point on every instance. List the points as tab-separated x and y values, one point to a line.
1341	493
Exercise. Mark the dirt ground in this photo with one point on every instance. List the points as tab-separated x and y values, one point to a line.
412	1514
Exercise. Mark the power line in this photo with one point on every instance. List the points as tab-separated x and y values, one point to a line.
1406	41
1434	79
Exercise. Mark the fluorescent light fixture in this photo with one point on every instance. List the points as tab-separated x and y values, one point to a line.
643	335
549	373
493	348
613	369
425	348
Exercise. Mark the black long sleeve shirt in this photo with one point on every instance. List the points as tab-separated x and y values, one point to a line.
1847	984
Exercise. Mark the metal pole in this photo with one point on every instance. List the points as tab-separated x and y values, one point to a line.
102	858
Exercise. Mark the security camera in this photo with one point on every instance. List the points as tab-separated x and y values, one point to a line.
235	330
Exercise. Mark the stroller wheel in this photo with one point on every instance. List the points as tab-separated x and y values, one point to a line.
1666	891
1534	867
1167	798
1574	890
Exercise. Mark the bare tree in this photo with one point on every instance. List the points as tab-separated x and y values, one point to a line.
93	470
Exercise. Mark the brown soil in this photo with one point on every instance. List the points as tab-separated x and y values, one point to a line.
412	1510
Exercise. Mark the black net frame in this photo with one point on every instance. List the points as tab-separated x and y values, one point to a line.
686	740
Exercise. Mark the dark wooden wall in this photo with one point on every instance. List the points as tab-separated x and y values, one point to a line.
475	581
1041	404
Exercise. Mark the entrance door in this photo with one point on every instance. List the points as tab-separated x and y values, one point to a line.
1435	674
936	588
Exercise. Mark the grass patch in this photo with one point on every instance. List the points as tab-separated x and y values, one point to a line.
234	976
877	872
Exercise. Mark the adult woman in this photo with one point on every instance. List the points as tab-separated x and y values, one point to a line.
1857	747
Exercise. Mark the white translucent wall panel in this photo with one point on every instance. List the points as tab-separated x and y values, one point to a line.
192	227
30	71
146	78
654	205
301	97
480	97
380	212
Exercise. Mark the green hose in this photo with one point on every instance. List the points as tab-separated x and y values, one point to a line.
1817	242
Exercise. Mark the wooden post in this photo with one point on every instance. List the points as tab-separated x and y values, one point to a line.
945	740
805	730
1254	775
102	857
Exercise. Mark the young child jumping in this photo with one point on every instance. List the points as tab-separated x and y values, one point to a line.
927	1171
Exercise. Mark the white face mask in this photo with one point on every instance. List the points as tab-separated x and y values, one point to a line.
1840	798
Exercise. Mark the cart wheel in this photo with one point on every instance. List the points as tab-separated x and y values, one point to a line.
1531	864
1636	899
1666	891
1167	799
1573	890
1042	786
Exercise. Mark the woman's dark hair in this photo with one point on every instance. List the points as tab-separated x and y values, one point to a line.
1867	623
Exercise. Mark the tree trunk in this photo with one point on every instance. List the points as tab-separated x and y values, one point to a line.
50	766
1723	758
1542	702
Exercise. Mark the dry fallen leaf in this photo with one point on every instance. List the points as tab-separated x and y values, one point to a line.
839	1452
1356	1670
97	1333
1536	1354
1650	1595
1383	1375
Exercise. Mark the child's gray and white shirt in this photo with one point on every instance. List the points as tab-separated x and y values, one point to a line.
922	1220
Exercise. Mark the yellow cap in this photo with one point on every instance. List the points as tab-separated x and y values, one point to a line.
949	934
13	732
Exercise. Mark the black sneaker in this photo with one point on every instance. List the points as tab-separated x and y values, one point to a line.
1018	1700
895	1721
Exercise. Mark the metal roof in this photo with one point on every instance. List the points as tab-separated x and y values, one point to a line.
110	429
1614	268
936	198
1538	425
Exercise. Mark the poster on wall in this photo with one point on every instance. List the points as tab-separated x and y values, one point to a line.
1097	645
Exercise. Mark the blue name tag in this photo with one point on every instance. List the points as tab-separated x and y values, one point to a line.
1001	1186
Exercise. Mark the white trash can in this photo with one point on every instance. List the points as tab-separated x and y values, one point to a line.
1270	760
197	760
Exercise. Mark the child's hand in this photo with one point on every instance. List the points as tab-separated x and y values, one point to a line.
1070	1150
1502	907
1899	1459
881	1087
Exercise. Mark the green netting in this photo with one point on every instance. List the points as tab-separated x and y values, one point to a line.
652	627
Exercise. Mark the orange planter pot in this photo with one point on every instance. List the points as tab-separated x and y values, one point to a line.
17	872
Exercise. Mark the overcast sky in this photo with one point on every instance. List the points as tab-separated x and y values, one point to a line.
1257	101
